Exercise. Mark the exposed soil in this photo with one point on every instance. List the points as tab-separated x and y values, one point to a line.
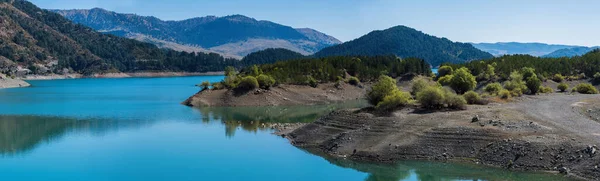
7	82
548	132
282	95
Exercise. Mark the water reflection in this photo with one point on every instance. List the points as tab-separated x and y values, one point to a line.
253	119
19	134
437	171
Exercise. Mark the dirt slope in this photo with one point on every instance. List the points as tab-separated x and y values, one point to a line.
534	133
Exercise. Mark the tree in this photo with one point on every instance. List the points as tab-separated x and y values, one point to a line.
463	81
445	80
205	85
382	88
533	84
445	70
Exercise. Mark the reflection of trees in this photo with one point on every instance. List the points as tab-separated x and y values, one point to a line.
20	134
253	119
433	171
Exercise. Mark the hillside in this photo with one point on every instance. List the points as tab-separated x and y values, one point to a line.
36	41
511	48
570	52
407	42
269	56
234	35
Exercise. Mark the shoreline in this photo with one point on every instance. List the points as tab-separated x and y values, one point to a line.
121	75
506	136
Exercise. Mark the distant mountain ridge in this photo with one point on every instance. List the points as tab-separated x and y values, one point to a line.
37	41
570	52
511	48
235	35
407	42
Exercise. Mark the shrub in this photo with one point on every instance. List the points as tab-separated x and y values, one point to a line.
265	81
585	88
431	97
597	76
312	82
248	83
454	101
445	70
384	86
218	86
558	78
204	85
493	88
445	80
546	90
419	84
516	92
353	81
563	87
472	97
533	84
396	99
231	82
504	94
527	72
463	81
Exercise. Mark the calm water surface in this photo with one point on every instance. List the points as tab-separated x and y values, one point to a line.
135	129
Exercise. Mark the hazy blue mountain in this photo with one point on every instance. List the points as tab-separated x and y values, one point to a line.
234	35
511	48
406	42
570	52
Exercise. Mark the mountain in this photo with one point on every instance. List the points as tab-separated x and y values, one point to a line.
406	42
570	52
511	48
234	36
269	56
45	42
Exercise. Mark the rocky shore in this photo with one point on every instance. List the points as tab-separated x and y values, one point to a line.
543	133
7	82
282	95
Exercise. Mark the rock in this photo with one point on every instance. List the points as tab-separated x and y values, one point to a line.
475	119
563	170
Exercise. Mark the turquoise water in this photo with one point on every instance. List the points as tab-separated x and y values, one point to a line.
135	129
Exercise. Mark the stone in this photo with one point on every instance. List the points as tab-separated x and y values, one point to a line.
475	119
563	170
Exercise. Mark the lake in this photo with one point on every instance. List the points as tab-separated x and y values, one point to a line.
135	129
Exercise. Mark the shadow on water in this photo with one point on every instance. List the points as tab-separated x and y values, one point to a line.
437	171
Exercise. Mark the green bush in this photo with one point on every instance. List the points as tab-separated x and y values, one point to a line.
396	99
431	97
558	78
419	84
312	82
527	72
585	88
504	94
353	81
445	70
248	83
204	85
382	88
546	90
597	76
493	88
445	80
516	92
472	97
533	84
463	81
231	82
218	86
265	81
563	87
454	101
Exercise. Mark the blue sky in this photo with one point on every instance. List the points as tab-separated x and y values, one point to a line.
547	21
